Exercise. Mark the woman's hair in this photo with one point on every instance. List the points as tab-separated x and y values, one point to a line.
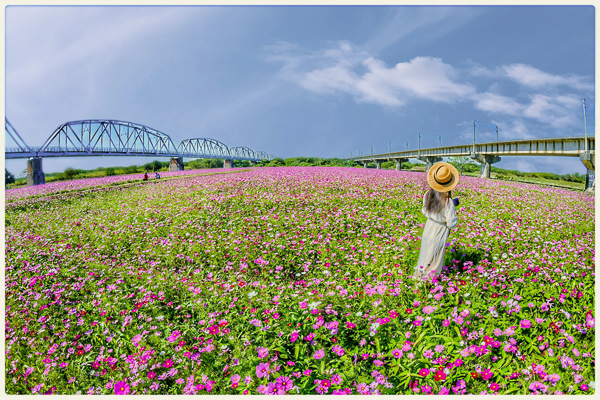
436	201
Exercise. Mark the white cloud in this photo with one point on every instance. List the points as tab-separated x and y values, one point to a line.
344	70
558	111
532	77
496	103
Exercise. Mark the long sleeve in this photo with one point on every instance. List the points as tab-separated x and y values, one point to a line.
450	211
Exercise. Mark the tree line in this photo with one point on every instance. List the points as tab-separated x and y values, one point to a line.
463	164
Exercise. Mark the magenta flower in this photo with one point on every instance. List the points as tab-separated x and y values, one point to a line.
284	382
338	350
168	363
336	379
262	352
525	324
424	372
151	375
446	322
235	378
584	387
319	354
495	387
294	337
397	353
486	374
213	330
262	370
121	387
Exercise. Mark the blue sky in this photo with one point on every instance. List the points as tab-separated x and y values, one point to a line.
304	81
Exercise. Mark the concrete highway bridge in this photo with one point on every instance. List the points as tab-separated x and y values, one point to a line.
490	153
99	137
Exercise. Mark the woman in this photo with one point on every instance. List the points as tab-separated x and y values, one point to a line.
439	209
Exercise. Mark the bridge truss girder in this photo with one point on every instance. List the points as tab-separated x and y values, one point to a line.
203	148
23	149
107	137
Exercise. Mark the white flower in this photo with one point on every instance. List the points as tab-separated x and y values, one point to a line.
313	305
374	326
252	294
359	314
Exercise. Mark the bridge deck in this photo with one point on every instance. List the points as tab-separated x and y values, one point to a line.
566	147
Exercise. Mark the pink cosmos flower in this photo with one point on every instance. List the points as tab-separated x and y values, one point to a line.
319	354
338	350
486	374
262	370
262	352
429	309
525	324
121	388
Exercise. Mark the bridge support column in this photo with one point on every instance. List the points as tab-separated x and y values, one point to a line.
227	163
176	164
35	173
486	162
429	160
365	163
588	159
378	164
399	162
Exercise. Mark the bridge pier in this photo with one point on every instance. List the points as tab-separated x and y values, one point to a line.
227	163
378	164
589	160
486	160
429	160
365	163
176	164
399	162
35	173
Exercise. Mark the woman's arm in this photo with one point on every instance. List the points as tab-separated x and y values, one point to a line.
423	211
451	219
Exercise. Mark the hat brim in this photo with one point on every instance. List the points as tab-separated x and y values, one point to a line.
446	187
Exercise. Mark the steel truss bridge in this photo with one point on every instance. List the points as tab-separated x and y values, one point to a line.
100	137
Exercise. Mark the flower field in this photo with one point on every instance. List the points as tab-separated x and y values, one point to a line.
297	280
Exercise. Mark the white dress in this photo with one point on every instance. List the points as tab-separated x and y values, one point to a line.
433	241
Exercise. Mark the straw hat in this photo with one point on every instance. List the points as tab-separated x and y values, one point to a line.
442	177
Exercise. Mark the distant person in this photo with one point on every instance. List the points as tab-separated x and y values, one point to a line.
157	176
145	176
439	208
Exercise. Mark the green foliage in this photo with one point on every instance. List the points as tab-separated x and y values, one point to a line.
205	163
8	177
